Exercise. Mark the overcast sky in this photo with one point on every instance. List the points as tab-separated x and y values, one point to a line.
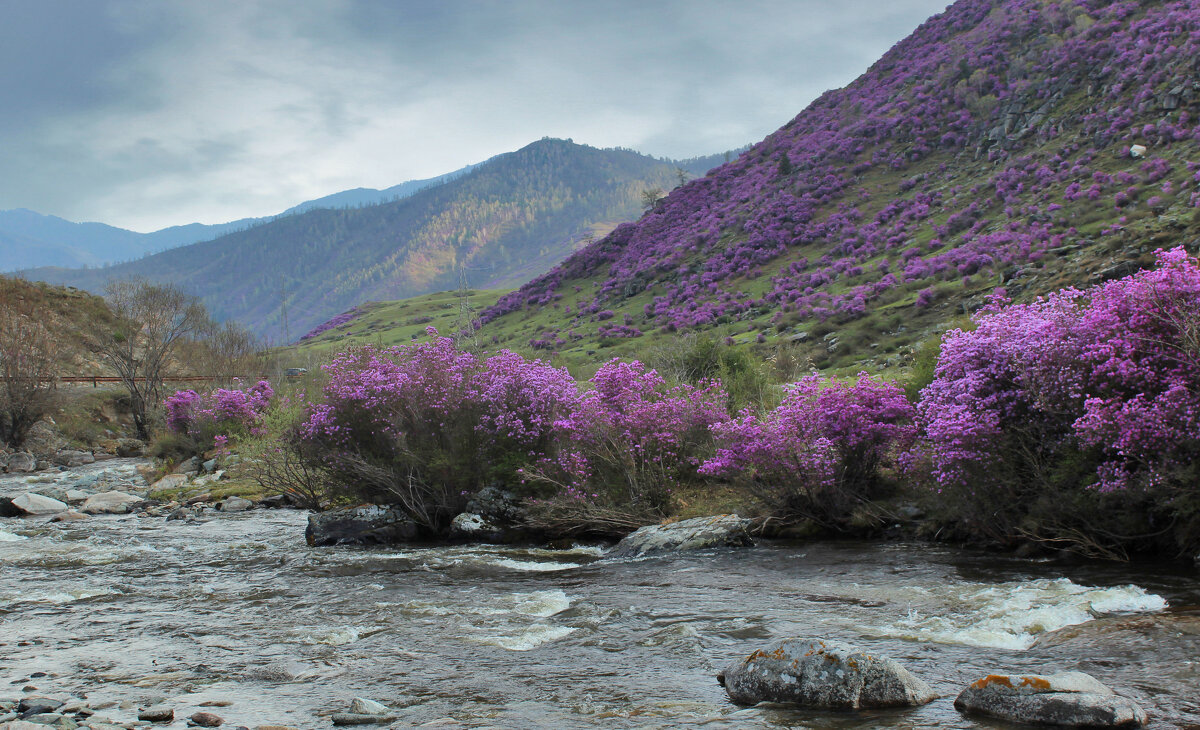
150	113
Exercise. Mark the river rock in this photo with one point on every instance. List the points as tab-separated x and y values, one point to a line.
8	509
21	725
276	501
130	448
236	504
31	503
76	496
350	718
69	516
364	525
822	675
468	526
693	534
170	481
205	719
110	503
22	461
157	714
68	457
38	705
363	706
1071	699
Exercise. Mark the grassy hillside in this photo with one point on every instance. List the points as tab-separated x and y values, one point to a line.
994	149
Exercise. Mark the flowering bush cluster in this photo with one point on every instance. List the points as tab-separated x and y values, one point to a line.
212	418
820	454
341	319
1094	389
632	438
425	425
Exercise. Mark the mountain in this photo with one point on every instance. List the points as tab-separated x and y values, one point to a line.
506	220
29	239
1022	145
359	197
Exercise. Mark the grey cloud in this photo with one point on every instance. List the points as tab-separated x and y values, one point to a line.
146	113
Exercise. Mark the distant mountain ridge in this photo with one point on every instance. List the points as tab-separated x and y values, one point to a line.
504	221
29	239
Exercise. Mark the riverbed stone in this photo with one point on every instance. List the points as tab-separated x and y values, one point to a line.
21	725
8	509
822	675
468	526
21	462
170	481
363	525
1067	699
351	718
693	534
69	516
157	714
363	706
69	457
76	496
32	503
205	719
236	504
110	503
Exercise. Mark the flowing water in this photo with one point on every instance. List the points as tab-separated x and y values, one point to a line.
237	608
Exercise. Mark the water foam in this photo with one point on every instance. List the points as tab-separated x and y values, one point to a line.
1013	615
530	566
530	638
542	604
9	537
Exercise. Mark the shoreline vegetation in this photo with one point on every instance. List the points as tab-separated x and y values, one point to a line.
1069	423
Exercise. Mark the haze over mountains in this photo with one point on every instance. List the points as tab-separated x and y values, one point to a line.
506	220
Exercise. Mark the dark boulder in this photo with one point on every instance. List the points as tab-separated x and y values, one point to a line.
364	525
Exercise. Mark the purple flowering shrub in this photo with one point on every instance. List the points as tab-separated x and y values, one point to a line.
425	425
213	418
822	452
1084	397
341	319
632	439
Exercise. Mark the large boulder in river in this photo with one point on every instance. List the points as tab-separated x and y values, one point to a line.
1069	699
693	534
31	503
72	457
109	503
822	675
369	524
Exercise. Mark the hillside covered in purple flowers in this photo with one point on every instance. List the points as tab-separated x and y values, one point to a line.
1022	145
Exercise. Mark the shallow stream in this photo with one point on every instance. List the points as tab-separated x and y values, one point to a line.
238	609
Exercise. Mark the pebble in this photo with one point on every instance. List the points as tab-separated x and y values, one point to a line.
216	703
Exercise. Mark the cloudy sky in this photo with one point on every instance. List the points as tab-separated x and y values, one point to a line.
150	113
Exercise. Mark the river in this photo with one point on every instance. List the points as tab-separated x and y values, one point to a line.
236	608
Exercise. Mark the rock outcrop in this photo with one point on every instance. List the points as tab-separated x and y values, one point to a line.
364	525
822	675
693	534
1068	699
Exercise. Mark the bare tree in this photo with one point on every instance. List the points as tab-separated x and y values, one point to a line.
225	350
29	367
152	321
